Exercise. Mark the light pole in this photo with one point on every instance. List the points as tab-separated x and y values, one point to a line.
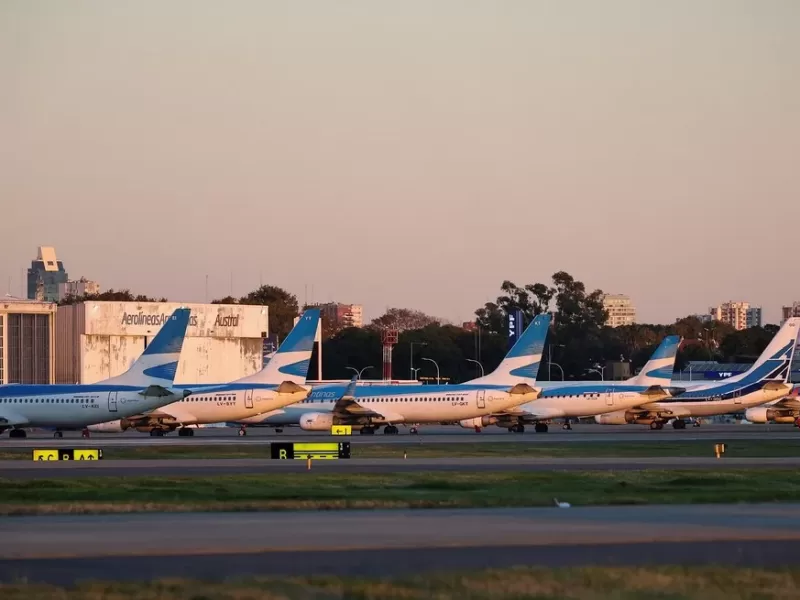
437	368
411	362
476	362
414	372
600	372
359	372
550	361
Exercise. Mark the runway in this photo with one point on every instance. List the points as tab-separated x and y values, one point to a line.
16	469
62	549
215	436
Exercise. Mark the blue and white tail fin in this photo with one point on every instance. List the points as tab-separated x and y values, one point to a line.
158	363
291	361
521	364
658	370
775	362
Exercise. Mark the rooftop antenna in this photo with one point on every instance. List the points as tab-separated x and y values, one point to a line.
206	300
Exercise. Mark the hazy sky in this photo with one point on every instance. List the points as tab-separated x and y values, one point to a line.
406	153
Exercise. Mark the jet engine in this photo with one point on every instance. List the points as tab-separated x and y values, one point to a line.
763	414
623	417
315	421
478	422
117	426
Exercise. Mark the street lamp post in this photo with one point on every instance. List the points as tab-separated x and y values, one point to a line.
437	368
359	372
476	362
600	372
550	361
414	371
411	362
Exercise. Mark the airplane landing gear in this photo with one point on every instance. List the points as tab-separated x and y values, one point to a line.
85	433
17	433
390	430
58	434
567	426
540	428
517	428
413	431
679	424
185	432
654	425
366	430
242	431
155	432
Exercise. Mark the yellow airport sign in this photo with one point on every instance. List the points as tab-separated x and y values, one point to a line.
305	450
342	430
67	454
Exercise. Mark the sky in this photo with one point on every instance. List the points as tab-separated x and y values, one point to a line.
411	154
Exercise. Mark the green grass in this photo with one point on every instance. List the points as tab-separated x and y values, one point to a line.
309	490
674	583
418	448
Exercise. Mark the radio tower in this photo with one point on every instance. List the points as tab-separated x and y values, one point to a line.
389	340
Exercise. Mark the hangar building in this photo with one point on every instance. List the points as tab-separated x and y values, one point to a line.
98	340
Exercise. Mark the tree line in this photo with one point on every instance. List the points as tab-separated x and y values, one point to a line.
578	340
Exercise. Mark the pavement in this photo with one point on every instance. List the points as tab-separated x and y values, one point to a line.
183	467
64	549
213	436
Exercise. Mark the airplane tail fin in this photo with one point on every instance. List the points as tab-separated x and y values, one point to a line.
521	364
158	363
658	370
291	361
775	363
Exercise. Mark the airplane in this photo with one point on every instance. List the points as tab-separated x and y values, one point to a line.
367	408
764	382
592	398
147	385
785	410
279	383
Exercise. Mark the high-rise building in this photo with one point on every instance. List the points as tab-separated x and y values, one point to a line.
754	317
45	275
340	316
621	310
788	312
81	287
738	315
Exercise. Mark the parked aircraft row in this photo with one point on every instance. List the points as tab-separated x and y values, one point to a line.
146	397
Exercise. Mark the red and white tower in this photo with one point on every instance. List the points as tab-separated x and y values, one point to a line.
389	339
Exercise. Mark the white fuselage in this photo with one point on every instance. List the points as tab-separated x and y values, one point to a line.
86	405
712	407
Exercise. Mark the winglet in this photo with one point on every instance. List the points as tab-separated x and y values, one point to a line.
158	364
290	363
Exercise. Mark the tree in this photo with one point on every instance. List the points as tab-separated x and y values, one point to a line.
283	307
109	295
226	300
403	319
530	299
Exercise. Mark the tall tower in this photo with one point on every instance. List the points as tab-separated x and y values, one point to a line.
389	338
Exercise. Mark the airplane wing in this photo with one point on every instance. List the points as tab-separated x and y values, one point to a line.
11	419
348	407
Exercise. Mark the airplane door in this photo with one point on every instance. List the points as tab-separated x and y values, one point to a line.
610	397
737	397
481	395
248	398
112	401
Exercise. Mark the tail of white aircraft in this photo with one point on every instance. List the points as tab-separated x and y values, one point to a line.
159	362
658	370
290	363
775	363
521	364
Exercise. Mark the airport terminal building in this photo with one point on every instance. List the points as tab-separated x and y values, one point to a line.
98	340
